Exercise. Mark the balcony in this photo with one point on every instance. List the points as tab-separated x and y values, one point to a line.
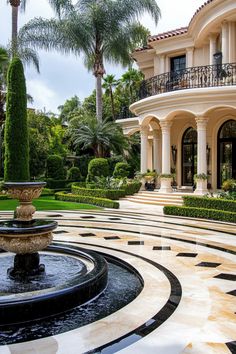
195	77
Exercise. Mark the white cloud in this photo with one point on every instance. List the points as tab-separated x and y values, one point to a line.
44	97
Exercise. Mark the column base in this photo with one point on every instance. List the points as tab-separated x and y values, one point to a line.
166	185
201	187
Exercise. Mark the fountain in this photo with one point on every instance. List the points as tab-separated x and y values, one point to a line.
69	276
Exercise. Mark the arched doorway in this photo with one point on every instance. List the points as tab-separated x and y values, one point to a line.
189	157
226	152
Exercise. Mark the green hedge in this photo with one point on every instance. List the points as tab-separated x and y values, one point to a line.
4	197
105	203
132	188
201	213
47	191
99	193
58	184
210	203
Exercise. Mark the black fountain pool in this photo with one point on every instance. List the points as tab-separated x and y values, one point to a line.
79	287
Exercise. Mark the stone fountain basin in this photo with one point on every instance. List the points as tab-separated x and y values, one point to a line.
26	237
27	306
24	191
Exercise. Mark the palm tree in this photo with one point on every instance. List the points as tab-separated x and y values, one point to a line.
100	136
103	30
131	81
109	83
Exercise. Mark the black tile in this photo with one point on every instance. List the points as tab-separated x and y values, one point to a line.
114	218
87	217
233	292
232	346
60	232
182	254
87	234
112	238
161	248
135	242
54	216
226	276
208	264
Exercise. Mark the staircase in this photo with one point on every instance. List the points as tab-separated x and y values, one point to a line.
157	198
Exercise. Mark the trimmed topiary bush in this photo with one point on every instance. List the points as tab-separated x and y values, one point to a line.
99	193
16	168
121	170
97	168
132	188
55	168
74	174
210	203
201	213
105	203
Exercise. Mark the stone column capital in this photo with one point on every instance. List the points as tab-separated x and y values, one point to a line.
213	36
156	133
201	122
144	131
190	49
165	125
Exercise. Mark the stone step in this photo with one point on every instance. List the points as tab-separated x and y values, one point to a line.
159	195
153	201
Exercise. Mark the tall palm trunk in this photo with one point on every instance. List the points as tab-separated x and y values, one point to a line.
112	105
99	97
15	7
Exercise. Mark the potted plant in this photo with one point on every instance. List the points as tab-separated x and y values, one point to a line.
150	180
166	180
201	183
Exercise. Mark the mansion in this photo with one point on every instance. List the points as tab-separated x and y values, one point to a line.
186	112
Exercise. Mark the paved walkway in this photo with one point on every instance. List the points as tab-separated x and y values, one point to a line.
188	302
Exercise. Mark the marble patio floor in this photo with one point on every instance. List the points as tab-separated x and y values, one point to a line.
188	303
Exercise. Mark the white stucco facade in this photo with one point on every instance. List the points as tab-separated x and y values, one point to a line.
187	114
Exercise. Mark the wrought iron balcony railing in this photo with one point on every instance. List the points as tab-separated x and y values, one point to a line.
125	113
195	77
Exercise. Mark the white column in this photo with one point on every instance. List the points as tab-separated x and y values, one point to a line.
165	181
150	155
144	148
189	57
225	42
232	44
162	64
165	128
213	48
156	151
201	154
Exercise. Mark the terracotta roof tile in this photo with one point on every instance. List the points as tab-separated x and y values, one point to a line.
168	34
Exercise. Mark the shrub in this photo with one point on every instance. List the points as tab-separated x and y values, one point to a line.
112	161
229	185
55	168
121	170
97	168
201	213
132	188
210	203
47	191
74	174
4	197
57	183
79	184
106	203
16	128
108	183
99	193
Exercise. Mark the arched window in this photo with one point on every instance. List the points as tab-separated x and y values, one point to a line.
226	152
189	156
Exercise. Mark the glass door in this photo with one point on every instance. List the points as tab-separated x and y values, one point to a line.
189	157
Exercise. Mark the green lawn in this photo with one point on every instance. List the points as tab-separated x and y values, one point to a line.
47	203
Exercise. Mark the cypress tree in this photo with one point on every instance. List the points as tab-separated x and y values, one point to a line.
16	168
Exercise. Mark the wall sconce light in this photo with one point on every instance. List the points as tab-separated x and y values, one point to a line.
208	153
174	153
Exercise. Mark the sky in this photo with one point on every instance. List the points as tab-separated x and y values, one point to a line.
62	77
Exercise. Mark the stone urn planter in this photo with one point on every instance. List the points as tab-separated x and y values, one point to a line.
166	184
201	184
